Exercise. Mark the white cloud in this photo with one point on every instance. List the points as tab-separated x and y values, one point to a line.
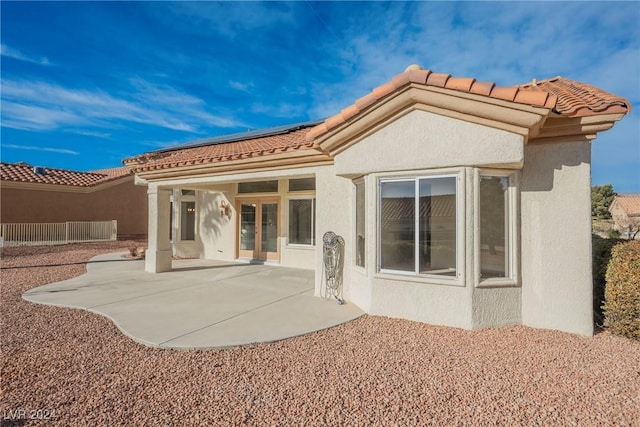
230	19
103	135
243	87
16	54
39	105
46	149
508	43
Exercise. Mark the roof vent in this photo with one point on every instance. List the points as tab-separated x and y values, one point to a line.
39	170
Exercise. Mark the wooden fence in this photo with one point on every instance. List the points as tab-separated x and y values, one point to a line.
33	234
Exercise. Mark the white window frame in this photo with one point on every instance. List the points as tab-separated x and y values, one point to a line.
513	252
313	220
356	182
459	279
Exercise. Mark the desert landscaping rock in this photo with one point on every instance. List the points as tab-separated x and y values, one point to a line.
76	368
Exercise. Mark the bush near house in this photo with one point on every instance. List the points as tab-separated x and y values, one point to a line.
601	254
622	292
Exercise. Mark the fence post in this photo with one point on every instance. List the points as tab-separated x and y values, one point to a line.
66	232
114	230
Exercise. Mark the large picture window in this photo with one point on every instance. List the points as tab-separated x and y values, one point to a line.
418	225
302	221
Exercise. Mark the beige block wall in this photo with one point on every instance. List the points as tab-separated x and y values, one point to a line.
125	202
556	237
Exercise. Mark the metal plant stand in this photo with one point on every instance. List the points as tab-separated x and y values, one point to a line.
333	251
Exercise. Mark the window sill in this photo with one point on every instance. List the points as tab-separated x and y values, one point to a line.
299	246
427	280
497	283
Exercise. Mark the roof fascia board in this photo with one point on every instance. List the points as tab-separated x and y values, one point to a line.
251	164
511	117
208	182
575	127
64	188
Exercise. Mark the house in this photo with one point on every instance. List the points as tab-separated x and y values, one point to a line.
625	211
461	203
31	194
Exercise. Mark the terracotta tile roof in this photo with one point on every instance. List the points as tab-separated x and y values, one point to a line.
565	97
576	99
629	203
23	172
287	140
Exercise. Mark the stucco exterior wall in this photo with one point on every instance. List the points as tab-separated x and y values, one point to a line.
429	143
556	237
216	231
495	307
125	202
423	140
334	198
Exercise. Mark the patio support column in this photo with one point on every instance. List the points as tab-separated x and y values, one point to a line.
158	256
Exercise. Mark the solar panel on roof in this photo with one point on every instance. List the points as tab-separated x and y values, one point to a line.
242	136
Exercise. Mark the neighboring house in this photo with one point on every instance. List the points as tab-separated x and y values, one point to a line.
625	211
460	202
46	195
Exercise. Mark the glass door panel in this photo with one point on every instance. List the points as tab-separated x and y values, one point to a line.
258	230
269	231
248	227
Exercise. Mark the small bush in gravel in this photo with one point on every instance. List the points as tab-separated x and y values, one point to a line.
601	254
622	293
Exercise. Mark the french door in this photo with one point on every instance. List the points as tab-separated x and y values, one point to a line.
258	229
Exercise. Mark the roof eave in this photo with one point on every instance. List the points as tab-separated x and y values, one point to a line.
559	128
510	116
298	158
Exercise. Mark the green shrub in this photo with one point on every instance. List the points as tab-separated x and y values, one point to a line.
601	254
622	292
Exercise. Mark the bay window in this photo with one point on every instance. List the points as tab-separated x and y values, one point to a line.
418	225
496	228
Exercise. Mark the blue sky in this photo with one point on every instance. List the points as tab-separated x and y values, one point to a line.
86	84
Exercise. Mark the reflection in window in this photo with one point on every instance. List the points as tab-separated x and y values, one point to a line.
494	232
258	187
302	184
188	221
302	221
360	224
437	226
418	225
269	230
397	223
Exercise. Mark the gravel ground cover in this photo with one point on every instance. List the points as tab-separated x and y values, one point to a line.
70	367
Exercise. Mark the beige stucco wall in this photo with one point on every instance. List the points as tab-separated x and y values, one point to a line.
425	144
334	198
556	237
124	202
423	140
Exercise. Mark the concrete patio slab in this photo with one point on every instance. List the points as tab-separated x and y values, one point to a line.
200	304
